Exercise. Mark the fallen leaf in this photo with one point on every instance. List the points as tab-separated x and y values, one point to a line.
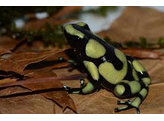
60	97
66	10
55	19
154	103
43	80
27	58
49	87
39	73
142	53
8	43
18	62
40	24
136	22
4	51
7	80
9	66
25	104
61	65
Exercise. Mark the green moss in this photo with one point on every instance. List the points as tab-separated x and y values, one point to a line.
102	10
161	42
143	41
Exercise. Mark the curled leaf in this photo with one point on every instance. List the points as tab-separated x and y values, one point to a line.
142	53
49	87
4	51
18	62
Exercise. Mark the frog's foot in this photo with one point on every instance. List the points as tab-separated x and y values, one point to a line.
61	59
72	63
82	82
128	105
72	90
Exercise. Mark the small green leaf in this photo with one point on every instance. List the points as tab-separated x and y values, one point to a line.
143	41
161	42
101	11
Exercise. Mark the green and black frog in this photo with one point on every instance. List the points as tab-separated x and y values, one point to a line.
107	67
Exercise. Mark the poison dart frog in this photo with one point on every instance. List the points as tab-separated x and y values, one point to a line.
107	68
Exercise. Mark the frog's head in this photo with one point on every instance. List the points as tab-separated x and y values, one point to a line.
77	36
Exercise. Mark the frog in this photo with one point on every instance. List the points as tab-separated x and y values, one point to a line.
107	67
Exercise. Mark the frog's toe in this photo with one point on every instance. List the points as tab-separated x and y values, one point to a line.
123	102
121	108
126	107
70	90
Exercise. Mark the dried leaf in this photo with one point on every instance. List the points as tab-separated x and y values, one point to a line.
40	24
154	102
10	66
136	22
61	65
27	104
8	43
55	89
7	80
27	58
142	53
102	102
18	62
52	20
67	10
36	46
43	80
40	73
60	97
4	51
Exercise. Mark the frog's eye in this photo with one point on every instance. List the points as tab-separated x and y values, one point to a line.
78	38
84	26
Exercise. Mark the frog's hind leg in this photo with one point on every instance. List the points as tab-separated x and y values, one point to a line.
127	89
138	87
133	103
140	70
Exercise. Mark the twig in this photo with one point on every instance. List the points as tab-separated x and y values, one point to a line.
42	80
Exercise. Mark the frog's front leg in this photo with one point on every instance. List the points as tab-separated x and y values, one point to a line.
91	86
86	89
73	63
